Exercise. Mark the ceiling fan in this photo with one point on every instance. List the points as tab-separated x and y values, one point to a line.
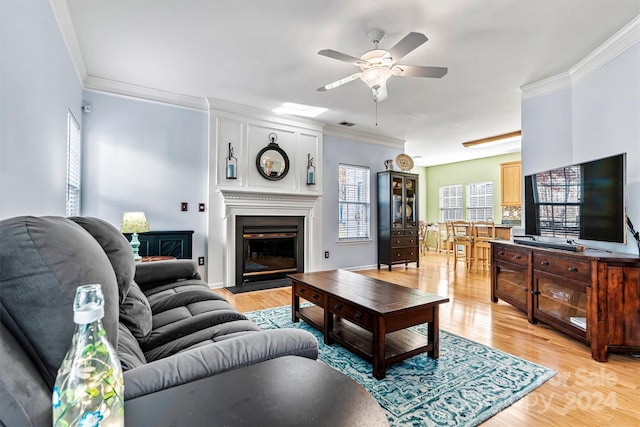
378	65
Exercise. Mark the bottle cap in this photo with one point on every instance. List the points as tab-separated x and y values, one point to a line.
88	313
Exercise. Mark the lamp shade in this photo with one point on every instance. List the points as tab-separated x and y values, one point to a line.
376	77
134	222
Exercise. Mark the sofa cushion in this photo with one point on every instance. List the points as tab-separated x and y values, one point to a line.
188	313
42	262
135	313
116	247
129	351
200	336
184	286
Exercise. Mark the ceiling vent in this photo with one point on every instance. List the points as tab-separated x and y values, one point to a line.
347	124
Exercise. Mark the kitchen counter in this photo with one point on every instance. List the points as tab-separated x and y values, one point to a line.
503	231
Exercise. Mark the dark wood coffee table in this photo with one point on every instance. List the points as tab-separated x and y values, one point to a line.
368	316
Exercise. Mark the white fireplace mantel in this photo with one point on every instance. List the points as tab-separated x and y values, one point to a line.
244	203
248	132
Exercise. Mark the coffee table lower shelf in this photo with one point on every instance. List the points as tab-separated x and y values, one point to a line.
398	345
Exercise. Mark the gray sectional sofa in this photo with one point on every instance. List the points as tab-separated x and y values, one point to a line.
168	327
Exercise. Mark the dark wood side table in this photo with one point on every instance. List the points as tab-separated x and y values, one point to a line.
288	391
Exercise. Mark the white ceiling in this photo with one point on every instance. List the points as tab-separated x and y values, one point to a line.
262	53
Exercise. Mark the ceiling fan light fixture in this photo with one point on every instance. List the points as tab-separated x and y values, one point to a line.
376	77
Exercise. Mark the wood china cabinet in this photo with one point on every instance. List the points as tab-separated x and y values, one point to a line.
593	296
397	218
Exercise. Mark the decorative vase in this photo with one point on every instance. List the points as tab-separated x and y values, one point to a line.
89	388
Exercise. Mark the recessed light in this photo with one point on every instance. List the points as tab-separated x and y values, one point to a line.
299	110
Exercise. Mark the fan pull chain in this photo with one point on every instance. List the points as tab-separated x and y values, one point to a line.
376	102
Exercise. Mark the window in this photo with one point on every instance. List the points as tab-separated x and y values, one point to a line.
73	166
451	202
353	203
480	201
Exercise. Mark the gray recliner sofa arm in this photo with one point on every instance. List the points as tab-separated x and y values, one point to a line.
226	355
149	274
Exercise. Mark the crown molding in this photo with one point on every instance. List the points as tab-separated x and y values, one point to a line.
605	53
342	132
114	87
547	86
63	18
227	107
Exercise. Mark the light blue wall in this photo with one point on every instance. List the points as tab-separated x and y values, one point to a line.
339	150
546	132
38	86
603	112
146	156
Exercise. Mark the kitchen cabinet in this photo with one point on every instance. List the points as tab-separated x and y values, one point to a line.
511	183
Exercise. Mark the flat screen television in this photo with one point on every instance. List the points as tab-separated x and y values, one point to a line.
581	201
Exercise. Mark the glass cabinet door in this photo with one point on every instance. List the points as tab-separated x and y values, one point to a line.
511	284
410	208
397	203
561	301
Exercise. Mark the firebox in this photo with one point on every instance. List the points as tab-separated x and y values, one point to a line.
268	247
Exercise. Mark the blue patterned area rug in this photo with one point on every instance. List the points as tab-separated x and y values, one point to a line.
465	386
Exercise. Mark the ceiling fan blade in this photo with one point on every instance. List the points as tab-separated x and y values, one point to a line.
380	93
419	71
340	82
330	53
406	45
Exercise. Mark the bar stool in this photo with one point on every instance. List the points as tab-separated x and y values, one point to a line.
422	237
483	231
445	238
431	239
462	243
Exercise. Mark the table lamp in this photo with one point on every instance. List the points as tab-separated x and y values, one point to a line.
134	223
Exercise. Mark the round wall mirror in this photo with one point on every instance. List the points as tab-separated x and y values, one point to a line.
272	162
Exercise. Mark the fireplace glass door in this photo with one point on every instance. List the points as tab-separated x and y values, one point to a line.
268	253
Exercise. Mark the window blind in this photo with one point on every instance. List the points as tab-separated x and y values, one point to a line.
450	202
73	166
353	202
480	201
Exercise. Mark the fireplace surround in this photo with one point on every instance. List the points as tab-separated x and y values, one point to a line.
238	203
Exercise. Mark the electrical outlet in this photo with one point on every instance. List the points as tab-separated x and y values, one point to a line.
184	206
201	260
201	207
326	254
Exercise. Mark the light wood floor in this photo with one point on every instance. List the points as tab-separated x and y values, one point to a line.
583	392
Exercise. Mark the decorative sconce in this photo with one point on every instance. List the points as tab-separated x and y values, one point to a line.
311	171
232	164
